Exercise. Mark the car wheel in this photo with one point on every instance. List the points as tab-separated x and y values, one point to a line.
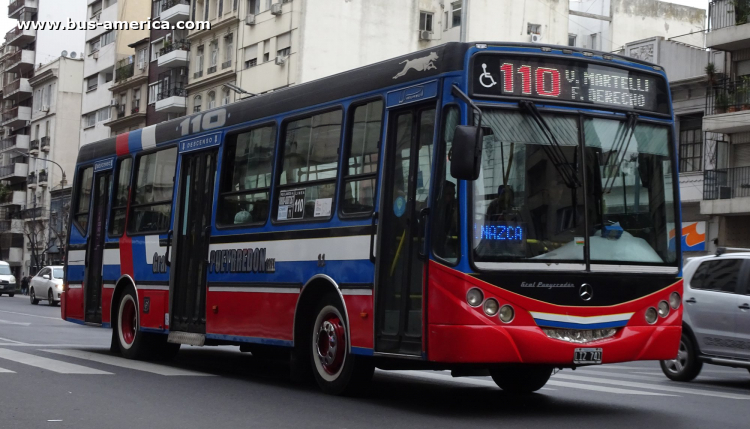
32	297
336	370
50	298
129	339
521	378
11	295
1	294
686	366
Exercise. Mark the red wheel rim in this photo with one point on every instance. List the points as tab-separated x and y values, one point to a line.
331	344
128	321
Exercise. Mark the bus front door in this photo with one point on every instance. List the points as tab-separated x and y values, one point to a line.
193	230
92	282
403	213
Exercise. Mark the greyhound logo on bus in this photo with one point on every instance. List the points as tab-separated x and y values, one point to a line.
241	261
418	64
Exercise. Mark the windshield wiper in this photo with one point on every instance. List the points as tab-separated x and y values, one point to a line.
625	137
554	150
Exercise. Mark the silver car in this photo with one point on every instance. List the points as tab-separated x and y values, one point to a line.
716	318
47	285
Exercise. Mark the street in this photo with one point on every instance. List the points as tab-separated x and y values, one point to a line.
55	374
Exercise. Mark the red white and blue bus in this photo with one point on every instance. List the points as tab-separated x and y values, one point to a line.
490	208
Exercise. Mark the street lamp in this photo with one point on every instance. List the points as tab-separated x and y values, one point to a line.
63	181
239	90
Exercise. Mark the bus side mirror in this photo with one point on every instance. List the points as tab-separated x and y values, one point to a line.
466	153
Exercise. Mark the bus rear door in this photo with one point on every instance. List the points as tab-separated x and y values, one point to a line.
192	233
403	213
92	282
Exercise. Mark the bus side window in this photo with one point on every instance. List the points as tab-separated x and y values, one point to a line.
446	216
83	204
120	201
307	182
360	175
246	178
151	209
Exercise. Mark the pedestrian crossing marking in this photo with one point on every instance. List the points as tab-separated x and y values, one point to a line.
7	371
128	364
47	364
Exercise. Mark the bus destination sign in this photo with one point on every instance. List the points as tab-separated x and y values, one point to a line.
570	81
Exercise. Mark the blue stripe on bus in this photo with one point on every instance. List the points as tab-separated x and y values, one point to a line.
134	141
154	330
567	325
76	321
254	340
362	351
106	325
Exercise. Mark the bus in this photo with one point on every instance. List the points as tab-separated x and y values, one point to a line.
491	209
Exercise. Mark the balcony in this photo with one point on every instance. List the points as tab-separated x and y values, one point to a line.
729	25
174	11
121	112
726	191
31	181
728	106
17	6
172	99
124	72
18	90
129	74
42	177
16	142
17	117
34	147
14	226
15	172
174	54
45	143
19	37
13	198
20	62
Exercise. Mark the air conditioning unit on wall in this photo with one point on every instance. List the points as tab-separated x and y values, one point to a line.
250	19
280	61
276	9
536	38
425	35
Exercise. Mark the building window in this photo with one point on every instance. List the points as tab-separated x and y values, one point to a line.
283	45
107	38
92	82
220	8
156	9
228	51
152	203
94	46
199	59
572	39
453	15
205	10
225	97
96	9
103	114
284	52
155	49
89	120
214	53
425	21
136	107
211	100
141	56
691	145
108	76
266	49
533	28
197	103
153	90
593	41
253	6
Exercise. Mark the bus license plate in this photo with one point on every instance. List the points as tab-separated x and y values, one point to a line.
588	356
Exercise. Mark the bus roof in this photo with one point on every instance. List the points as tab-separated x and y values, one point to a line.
443	58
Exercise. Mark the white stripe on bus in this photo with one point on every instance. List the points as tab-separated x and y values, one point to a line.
334	248
148	137
254	289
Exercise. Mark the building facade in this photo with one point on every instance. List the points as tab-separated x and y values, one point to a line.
129	90
103	50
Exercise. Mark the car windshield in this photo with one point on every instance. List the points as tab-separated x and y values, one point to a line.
531	198
5	270
57	273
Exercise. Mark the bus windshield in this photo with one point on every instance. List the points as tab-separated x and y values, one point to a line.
536	190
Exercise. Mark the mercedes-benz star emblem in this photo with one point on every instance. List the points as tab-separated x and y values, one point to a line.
586	292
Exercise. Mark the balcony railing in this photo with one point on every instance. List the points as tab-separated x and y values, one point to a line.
728	13
226	64
124	72
172	91
211	69
34	145
8	143
120	112
31	179
726	183
45	143
168	4
136	108
177	45
42	176
728	95
13	86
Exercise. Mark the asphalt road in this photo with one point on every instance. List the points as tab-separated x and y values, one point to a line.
55	374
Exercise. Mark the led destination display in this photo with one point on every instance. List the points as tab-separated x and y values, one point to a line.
569	81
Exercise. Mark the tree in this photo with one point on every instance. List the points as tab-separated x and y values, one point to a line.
45	230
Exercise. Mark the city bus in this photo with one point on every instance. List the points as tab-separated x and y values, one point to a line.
491	209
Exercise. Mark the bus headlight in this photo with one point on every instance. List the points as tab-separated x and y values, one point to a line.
651	315
675	300
474	297
491	306
663	309
507	314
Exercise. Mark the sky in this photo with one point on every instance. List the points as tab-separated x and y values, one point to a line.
7	24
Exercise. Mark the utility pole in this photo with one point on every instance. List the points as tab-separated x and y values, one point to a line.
464	19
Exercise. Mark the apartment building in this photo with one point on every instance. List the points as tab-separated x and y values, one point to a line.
104	48
129	90
55	116
726	184
25	51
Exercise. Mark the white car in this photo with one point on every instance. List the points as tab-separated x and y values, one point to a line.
47	285
7	280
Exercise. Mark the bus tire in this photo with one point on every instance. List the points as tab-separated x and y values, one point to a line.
335	370
162	349
521	378
686	365
132	342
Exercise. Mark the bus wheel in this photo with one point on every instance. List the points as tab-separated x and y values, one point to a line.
130	339
335	369
686	366
521	378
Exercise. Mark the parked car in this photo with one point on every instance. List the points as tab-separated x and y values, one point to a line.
8	282
716	318
47	285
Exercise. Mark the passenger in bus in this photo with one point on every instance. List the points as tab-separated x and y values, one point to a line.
501	207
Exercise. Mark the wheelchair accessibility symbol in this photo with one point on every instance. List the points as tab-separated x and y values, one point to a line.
486	76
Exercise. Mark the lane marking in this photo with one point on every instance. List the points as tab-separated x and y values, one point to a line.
128	364
551	382
6	371
665	388
82	346
48	364
8	322
11	341
31	315
645	377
